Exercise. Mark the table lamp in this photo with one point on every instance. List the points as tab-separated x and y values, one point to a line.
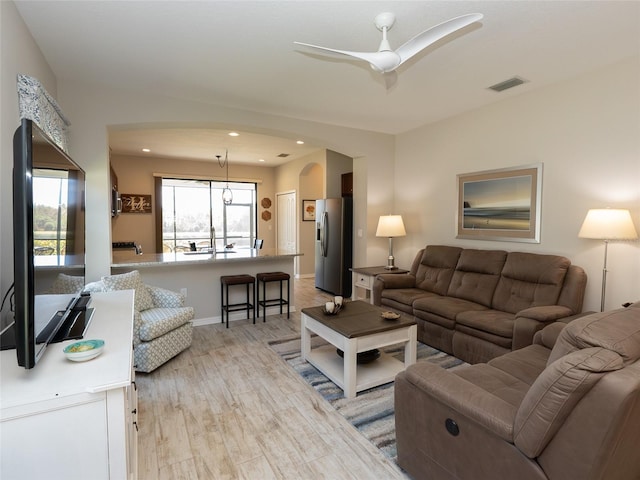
607	224
390	226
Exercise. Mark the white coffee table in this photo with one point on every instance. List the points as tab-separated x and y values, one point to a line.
359	327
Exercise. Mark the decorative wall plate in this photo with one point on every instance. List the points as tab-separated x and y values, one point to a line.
266	215
266	202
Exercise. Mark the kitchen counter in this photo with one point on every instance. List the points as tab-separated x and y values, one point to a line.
198	275
130	259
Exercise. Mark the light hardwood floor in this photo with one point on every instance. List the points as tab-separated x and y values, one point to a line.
230	408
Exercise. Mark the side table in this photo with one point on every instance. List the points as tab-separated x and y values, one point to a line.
362	279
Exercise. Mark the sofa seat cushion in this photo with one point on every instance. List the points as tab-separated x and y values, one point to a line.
495	381
525	364
404	297
448	307
494	322
155	322
472	334
434	319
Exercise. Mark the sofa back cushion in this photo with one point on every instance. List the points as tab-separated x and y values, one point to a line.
436	268
555	393
476	275
130	281
617	330
573	288
529	280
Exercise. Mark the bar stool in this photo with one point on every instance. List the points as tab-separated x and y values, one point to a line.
229	280
265	278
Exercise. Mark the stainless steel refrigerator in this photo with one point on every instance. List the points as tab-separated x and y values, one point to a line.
334	245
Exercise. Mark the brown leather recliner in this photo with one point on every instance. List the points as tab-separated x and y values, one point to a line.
566	407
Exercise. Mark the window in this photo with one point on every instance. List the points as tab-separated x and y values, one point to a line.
193	211
50	191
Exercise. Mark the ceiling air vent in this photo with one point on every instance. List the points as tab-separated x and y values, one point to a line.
510	83
283	155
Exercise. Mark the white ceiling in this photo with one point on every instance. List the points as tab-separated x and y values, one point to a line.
241	54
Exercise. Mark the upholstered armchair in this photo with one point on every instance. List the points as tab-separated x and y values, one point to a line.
566	407
162	325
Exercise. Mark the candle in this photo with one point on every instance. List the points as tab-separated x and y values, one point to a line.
338	301
329	306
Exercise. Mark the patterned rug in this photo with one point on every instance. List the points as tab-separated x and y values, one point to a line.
371	412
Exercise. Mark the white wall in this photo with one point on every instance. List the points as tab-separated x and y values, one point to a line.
93	109
18	54
585	131
305	176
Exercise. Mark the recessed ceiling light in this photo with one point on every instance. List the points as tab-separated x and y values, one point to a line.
261	159
146	150
233	134
300	142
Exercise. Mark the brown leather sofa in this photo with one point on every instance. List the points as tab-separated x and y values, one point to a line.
556	410
479	304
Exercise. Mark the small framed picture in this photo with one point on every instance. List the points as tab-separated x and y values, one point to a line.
135	203
308	210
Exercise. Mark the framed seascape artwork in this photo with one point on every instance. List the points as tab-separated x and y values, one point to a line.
135	203
500	204
308	210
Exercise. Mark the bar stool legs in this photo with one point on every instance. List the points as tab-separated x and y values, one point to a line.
264	278
249	304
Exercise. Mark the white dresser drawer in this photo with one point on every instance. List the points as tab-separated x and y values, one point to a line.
364	281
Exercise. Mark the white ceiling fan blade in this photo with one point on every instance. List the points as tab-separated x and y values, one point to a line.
380	61
433	34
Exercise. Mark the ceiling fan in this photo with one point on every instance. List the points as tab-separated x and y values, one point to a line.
386	60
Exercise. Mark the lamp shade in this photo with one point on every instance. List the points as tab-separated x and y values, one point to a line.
608	224
390	226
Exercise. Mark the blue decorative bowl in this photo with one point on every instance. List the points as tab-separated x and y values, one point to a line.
84	350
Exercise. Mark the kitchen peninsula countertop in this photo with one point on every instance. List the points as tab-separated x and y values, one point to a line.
130	259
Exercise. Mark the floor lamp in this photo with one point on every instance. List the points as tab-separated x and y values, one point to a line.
607	224
390	226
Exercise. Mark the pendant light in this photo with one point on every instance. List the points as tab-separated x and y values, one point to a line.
227	194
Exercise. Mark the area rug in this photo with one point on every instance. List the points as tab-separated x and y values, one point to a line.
371	412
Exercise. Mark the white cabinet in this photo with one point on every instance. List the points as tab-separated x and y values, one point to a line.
66	420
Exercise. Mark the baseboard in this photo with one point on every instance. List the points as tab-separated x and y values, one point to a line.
240	316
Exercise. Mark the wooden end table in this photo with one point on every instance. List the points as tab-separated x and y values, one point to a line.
363	277
359	327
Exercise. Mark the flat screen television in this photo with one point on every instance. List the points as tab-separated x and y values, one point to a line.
49	239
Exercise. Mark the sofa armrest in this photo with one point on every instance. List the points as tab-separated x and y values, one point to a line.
165	298
546	313
475	403
531	320
390	280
